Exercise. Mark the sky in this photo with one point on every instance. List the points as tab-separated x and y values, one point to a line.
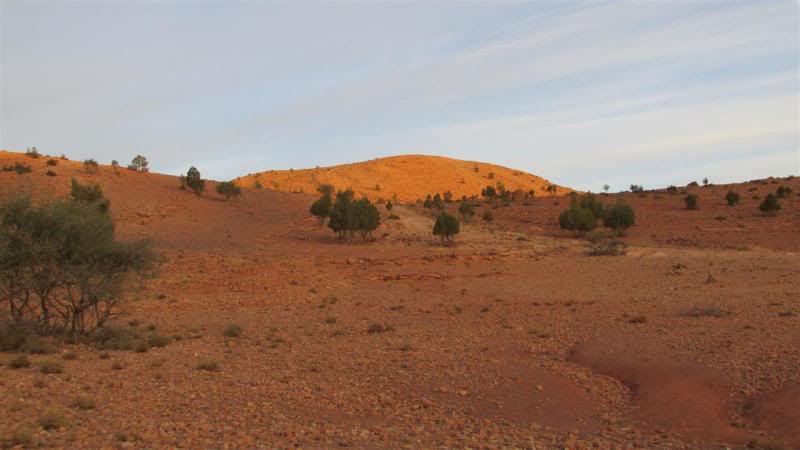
583	94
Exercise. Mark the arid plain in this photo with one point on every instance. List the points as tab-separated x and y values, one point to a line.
512	337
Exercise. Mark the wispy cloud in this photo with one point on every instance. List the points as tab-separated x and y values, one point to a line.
582	93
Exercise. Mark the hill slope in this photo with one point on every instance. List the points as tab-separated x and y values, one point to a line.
408	177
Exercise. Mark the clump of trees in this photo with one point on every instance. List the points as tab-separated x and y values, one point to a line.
193	181
139	164
322	207
446	227
61	267
582	215
770	205
228	189
348	216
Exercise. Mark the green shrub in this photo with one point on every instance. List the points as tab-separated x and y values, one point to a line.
619	217
111	337
90	166
672	190
22	169
783	191
139	164
732	198
466	209
90	194
193	181
228	189
770	205
232	331
487	216
158	340
593	203
489	192
428	203
577	219
691	201
52	162
636	189
446	227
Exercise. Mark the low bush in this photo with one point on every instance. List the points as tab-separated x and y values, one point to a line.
770	205
487	216
19	362
577	219
228	189
732	198
52	419
232	331
208	365
51	367
619	217
691	201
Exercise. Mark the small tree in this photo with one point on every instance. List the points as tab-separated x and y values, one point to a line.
139	164
732	198
367	218
428	203
228	189
489	192
577	219
705	181
437	201
446	227
466	209
31	152
770	205
115	166
636	189
783	191
606	188
90	166
691	201
193	181
552	189
593	203
321	207
619	217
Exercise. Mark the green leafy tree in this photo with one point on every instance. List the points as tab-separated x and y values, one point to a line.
446	227
428	203
577	219
349	216
367	218
194	181
619	217
437	201
593	203
321	207
61	268
228	189
770	205
139	164
636	189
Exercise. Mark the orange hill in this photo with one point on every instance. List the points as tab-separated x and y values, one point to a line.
408	177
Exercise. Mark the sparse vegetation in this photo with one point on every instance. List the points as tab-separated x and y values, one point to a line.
770	205
691	202
732	198
19	362
232	331
139	164
619	217
90	166
52	419
51	367
446	227
228	189
193	181
90	194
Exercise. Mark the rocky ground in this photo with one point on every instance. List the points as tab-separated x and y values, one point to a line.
512	338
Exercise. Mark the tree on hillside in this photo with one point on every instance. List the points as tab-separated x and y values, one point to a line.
489	192
593	203
139	164
446	227
228	189
552	189
606	187
428	203
115	166
466	209
577	219
636	189
321	207
193	181
348	216
732	198
619	217
90	166
691	201
326	190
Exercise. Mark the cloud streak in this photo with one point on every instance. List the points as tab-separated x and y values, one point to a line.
582	93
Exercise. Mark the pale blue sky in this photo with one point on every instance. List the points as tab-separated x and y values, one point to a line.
580	93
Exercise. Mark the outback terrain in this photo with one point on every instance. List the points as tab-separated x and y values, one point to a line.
405	178
282	336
